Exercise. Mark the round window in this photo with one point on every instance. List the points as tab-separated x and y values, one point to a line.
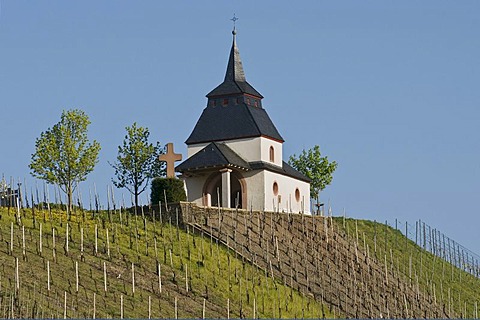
275	189
297	195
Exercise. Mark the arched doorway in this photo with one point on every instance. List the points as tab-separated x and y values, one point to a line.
212	190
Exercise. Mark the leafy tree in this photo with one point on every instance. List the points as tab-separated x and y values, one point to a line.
137	161
63	154
173	188
314	166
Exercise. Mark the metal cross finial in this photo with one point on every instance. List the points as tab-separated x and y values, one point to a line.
234	19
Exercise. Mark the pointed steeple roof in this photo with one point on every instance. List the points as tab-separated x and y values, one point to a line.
234	82
234	109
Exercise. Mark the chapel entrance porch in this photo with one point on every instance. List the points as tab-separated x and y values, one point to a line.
225	188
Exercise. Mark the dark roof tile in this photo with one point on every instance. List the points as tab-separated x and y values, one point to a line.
213	155
232	122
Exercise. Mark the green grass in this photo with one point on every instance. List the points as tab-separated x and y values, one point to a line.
456	289
215	275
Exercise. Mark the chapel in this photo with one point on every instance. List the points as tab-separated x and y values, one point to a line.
235	157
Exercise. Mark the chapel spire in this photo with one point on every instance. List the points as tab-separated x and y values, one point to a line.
235	68
234	82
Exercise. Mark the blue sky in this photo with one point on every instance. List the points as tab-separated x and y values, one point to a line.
387	89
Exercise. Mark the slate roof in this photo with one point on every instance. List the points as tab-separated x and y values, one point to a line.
235	120
219	155
213	155
232	122
286	170
234	82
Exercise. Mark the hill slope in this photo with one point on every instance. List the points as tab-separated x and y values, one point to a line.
118	271
358	268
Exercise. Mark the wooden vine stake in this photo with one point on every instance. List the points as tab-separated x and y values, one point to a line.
159	278
96	240
228	308
155	246
48	275
94	305
17	278
108	244
386	270
53	245
186	277
81	240
76	275
23	242
66	239
121	306
11	238
149	307
176	310
40	240
65	305
133	278
203	309
105	276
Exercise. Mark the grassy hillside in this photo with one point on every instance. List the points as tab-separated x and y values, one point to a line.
357	268
277	265
198	277
455	290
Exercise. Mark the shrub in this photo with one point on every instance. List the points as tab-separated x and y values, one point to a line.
173	187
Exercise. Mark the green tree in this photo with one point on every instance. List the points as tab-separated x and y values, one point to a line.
137	161
63	154
314	166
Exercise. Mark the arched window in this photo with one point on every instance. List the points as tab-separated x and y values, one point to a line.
275	189
272	154
297	195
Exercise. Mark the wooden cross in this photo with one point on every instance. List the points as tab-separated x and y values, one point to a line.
170	158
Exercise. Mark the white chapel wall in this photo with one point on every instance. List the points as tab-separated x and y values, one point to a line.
277	147
192	149
195	189
287	199
250	149
255	189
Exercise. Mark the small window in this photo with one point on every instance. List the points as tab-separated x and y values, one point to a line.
256	103
248	101
275	189
237	101
214	103
272	154
297	195
225	102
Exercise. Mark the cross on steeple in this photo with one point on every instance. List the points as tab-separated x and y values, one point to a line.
234	19
170	158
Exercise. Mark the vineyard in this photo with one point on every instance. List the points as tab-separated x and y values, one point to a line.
184	261
357	268
116	264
